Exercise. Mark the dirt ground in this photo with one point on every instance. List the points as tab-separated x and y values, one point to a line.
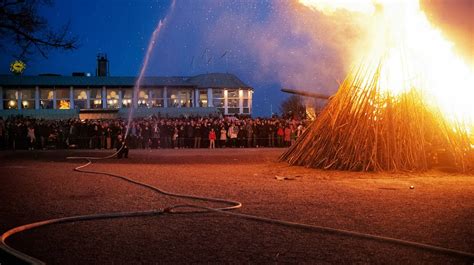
41	185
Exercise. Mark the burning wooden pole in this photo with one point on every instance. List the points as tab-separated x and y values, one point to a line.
366	129
305	93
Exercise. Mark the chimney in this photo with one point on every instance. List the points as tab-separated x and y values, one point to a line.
102	65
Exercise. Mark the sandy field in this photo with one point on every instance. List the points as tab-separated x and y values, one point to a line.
39	185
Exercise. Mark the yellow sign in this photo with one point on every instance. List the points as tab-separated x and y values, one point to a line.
17	67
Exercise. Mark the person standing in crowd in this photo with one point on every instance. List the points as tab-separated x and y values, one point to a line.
122	148
18	135
175	137
146	133
31	137
242	136
262	134
132	135
108	137
197	135
95	136
139	136
155	135
280	135
115	132
249	130
293	134
11	135
299	131
102	135
44	134
212	139
271	134
233	134
181	135
163	131
287	137
205	129
255	129
223	137
83	137
2	134
169	134
266	134
73	135
189	128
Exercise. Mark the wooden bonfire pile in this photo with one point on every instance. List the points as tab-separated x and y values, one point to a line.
365	129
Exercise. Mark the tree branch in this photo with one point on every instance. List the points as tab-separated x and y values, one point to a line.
20	22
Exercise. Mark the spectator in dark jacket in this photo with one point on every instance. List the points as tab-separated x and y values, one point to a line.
122	148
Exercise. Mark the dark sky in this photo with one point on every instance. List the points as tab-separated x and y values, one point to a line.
268	44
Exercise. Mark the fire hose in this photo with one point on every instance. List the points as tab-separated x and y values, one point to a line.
233	205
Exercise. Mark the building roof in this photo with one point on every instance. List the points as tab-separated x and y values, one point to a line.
223	80
217	80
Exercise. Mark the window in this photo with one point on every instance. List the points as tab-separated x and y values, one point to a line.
10	99
233	93
127	98
185	98
112	98
28	99
157	100
217	93
143	96
233	101
96	98
218	98
245	93
173	101
246	103
46	98
245	96
203	98
63	100
80	98
180	97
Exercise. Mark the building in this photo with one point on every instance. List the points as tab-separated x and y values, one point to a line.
55	96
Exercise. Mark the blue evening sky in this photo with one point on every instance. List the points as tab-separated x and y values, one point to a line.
267	44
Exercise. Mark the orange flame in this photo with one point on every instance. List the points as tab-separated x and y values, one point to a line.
415	55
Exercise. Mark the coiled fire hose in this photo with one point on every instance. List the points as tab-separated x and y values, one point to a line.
233	205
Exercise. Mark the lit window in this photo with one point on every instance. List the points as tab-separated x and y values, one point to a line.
62	99
96	98
28	99
80	98
112	98
126	98
46	98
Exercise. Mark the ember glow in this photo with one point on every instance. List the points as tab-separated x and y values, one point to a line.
411	53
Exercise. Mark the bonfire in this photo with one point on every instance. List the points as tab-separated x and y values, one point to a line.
395	111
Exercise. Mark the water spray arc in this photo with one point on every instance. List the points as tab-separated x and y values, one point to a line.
151	44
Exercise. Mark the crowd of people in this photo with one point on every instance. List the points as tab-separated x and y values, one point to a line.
149	133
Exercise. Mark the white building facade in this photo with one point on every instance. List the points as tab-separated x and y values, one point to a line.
221	92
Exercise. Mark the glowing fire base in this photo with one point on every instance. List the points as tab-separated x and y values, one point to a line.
366	128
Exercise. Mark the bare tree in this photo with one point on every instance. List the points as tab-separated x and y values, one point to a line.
24	32
293	106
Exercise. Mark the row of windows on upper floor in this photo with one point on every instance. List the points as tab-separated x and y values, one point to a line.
92	98
47	93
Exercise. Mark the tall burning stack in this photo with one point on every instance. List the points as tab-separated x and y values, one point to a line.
396	111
